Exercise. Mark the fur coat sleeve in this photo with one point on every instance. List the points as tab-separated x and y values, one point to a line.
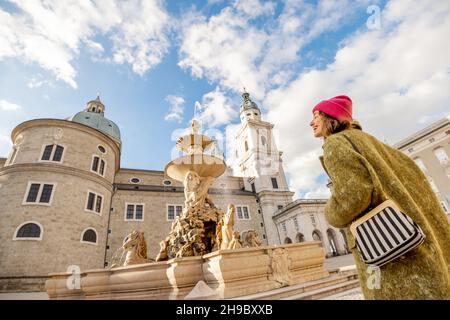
352	185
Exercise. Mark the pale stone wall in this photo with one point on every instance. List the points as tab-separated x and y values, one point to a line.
156	178
155	223
65	218
80	144
146	177
422	145
63	222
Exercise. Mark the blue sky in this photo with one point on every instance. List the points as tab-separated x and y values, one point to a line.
153	60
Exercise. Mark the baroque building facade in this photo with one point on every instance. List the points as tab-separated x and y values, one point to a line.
66	201
430	149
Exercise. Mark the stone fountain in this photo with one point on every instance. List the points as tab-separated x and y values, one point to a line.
203	256
195	232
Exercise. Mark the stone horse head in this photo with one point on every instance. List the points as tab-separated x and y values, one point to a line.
136	248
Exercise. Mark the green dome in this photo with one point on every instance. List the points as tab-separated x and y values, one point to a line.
98	122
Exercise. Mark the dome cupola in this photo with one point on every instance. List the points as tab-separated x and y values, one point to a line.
249	109
94	116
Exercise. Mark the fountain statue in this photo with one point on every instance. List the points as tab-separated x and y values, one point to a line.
135	247
194	233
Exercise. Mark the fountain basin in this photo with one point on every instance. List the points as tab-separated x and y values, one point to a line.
229	273
204	165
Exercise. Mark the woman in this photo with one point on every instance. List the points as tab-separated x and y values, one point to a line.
365	177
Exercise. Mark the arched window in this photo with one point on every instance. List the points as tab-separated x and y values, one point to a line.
89	235
420	164
441	155
317	236
263	140
287	240
300	237
344	236
29	231
332	242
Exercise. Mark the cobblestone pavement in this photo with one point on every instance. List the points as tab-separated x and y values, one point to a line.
341	261
24	296
354	294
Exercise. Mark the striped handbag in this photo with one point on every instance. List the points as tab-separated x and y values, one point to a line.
385	233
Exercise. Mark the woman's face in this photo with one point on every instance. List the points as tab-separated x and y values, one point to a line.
317	124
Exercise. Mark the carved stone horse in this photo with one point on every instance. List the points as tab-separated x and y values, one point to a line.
136	248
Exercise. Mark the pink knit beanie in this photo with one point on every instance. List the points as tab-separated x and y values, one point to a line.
339	107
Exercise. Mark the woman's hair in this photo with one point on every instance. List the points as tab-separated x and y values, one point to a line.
332	125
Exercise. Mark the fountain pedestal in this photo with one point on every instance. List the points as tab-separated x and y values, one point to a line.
229	273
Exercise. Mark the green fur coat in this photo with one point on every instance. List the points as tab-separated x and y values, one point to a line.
358	181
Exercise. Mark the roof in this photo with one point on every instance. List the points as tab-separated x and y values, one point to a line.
97	121
420	134
247	103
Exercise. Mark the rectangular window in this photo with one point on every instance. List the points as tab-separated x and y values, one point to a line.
246	215
52	152
46	193
170	213
95	164
39	193
139	211
295	223
94	202
280	207
283	226
130	212
239	212
47	152
33	192
58	153
98	204
253	188
134	212
98	165
179	210
13	156
274	183
102	167
174	211
91	199
243	212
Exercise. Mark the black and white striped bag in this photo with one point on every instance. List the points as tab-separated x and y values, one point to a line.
385	233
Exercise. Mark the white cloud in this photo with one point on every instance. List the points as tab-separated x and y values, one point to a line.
255	8
51	33
393	79
5	145
320	193
227	48
223	49
9	106
39	81
397	76
176	108
215	109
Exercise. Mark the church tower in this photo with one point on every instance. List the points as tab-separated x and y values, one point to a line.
259	161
